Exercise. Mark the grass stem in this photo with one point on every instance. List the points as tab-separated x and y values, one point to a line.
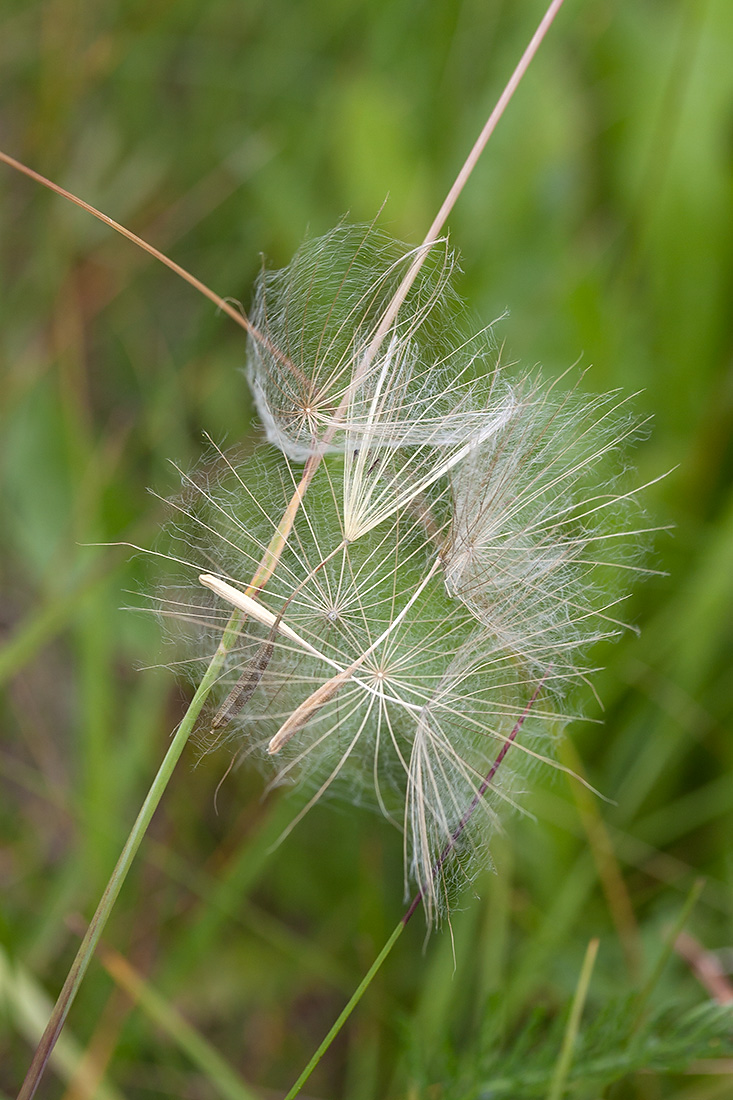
565	1059
129	851
348	1009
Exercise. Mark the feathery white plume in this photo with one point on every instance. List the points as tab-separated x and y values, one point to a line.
404	407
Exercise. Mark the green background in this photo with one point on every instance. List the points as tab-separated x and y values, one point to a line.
601	217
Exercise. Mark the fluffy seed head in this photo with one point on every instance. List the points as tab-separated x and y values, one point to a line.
451	554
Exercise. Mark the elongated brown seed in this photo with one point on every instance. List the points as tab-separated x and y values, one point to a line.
307	709
245	687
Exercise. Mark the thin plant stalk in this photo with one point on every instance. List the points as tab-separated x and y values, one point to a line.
349	1007
221	303
664	955
468	166
264	572
565	1058
129	851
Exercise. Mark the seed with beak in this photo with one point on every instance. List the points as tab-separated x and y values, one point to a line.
307	709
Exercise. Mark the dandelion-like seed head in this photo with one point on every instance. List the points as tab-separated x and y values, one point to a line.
449	560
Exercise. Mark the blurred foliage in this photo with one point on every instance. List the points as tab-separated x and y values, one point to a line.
601	215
